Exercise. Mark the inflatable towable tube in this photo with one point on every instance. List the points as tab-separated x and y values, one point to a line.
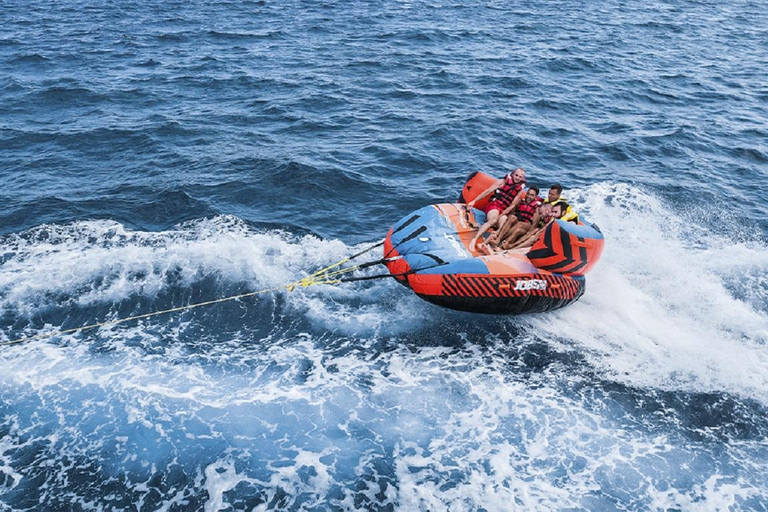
428	251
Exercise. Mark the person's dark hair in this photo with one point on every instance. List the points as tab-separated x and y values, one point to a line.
563	207
557	187
534	187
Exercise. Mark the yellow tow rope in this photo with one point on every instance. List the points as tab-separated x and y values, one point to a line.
322	276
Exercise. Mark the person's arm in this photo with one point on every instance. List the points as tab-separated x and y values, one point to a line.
487	191
527	240
516	201
530	237
536	218
509	208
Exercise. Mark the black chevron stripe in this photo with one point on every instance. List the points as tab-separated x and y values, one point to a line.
582	251
581	265
560	264
547	251
548	235
563	264
565	239
541	253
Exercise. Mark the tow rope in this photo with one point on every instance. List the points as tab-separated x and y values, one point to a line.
322	276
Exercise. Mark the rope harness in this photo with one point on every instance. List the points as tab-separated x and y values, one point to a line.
323	276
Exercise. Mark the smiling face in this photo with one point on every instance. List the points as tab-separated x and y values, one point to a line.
558	210
530	195
518	175
553	195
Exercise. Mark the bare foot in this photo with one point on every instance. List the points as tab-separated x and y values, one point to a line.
472	245
486	249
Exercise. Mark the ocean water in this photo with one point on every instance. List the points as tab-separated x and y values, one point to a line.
157	154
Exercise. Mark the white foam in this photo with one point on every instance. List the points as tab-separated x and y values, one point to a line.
659	310
11	478
463	431
220	477
716	493
102	262
460	429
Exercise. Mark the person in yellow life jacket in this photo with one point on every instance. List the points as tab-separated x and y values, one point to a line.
555	196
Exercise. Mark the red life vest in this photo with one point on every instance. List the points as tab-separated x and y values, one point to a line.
508	191
525	211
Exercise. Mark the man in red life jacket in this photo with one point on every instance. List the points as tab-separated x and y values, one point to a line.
521	220
527	234
547	213
507	193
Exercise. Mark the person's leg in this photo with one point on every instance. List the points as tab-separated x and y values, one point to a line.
520	229
504	229
493	216
527	240
489	250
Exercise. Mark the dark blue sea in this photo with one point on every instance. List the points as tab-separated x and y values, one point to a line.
156	154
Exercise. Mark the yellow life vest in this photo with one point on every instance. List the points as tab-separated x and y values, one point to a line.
570	214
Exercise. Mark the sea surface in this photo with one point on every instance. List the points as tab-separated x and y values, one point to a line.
156	154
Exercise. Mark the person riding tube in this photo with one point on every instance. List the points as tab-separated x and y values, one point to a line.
548	213
522	219
507	192
555	196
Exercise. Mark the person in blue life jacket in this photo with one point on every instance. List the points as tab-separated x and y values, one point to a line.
507	192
